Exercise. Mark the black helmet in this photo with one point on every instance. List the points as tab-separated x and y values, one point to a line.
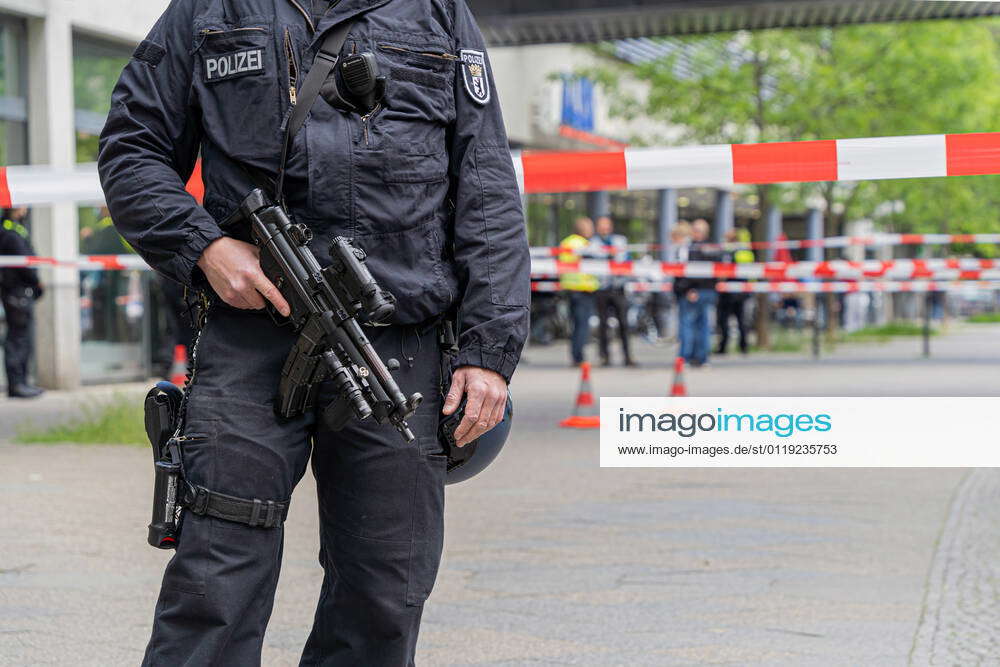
467	462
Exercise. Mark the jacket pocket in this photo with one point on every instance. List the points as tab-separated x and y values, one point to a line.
412	265
236	81
506	244
419	103
428	526
400	187
186	571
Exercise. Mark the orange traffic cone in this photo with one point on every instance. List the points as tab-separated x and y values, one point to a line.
178	372
585	412
678	388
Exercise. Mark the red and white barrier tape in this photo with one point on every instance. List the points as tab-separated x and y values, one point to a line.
899	269
641	168
875	240
650	284
797	287
852	287
632	286
652	271
40	185
782	162
86	262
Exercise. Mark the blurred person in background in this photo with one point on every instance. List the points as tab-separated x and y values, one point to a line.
102	288
696	297
611	295
680	237
734	304
580	286
102	238
680	242
178	331
19	289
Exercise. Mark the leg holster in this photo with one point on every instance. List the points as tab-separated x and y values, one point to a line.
254	513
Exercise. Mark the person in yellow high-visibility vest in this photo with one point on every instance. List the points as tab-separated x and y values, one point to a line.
580	286
734	304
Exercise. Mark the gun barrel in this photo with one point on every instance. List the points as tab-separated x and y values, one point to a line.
344	382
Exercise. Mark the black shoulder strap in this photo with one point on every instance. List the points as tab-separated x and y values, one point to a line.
324	63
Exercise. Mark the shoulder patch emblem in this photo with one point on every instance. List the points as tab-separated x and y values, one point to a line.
475	75
149	52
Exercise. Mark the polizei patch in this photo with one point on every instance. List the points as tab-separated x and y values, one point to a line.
232	65
475	75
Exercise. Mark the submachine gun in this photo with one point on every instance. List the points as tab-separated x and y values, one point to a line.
328	306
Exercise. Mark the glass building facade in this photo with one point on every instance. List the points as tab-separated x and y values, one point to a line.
122	317
115	317
13	93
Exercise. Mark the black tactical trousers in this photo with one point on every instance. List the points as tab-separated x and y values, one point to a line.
381	506
18	344
609	300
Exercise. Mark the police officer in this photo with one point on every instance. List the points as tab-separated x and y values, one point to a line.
424	183
19	289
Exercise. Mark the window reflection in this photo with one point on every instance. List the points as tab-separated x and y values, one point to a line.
113	304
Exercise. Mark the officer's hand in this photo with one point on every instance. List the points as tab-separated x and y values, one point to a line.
233	270
487	401
692	296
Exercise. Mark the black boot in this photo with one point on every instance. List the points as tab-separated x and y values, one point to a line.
23	390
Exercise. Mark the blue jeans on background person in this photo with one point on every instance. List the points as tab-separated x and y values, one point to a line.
581	309
696	326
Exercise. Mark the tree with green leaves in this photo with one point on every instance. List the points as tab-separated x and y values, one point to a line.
831	83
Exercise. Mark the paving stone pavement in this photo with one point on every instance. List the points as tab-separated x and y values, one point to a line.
551	560
961	613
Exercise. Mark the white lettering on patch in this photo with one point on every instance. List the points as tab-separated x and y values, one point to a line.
231	65
476	76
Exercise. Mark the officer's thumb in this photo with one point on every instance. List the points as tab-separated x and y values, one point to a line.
454	394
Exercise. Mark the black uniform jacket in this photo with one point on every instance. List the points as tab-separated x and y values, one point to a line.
424	184
14	280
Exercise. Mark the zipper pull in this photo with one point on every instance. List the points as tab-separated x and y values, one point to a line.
292	95
366	118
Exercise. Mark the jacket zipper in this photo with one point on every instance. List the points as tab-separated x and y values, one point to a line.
293	69
365	121
305	15
225	32
439	56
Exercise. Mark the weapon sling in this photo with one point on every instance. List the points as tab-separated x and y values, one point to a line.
325	61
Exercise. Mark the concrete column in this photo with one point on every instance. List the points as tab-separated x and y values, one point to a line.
598	204
665	220
887	311
553	233
814	230
772	230
724	215
55	229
